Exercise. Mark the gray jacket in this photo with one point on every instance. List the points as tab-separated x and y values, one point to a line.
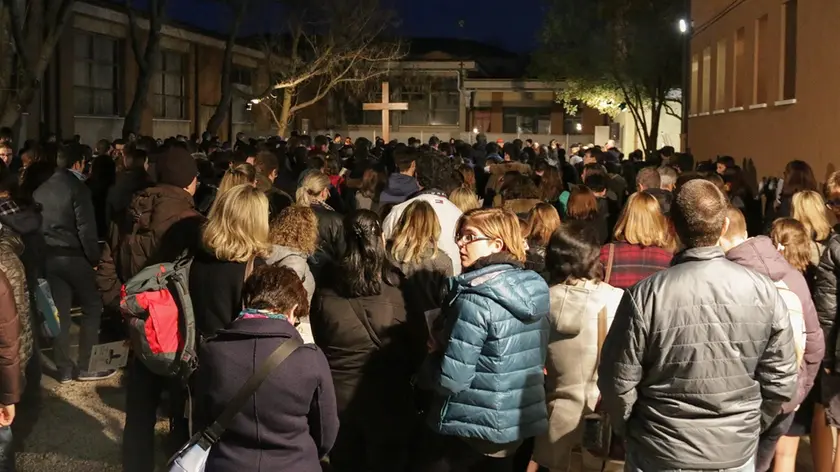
296	260
698	361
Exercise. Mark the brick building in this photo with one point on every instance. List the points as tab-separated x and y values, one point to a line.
762	78
91	80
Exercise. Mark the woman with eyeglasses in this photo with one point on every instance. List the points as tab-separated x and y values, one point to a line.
486	367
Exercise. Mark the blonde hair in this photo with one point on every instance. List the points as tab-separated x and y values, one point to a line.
496	223
295	227
239	175
809	208
237	226
417	229
641	222
791	239
543	220
311	188
737	223
464	198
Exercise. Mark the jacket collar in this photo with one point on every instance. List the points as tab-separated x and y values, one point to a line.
501	258
430	191
260	328
699	254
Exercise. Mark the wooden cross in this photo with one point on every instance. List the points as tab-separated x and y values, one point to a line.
386	107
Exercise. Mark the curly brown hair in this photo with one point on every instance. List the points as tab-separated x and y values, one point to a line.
295	227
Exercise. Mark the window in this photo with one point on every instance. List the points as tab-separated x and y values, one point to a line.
739	71
170	86
526	120
760	61
96	74
788	68
695	84
720	79
241	76
572	124
707	80
436	102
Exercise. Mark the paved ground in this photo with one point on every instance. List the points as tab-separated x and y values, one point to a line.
79	429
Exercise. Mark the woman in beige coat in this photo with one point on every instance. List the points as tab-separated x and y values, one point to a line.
582	308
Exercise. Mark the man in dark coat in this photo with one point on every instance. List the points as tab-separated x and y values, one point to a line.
72	252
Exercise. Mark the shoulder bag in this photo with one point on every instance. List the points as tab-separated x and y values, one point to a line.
193	456
598	437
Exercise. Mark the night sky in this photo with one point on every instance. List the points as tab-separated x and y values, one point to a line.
510	24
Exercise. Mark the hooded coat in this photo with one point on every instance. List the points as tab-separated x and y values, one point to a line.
760	255
400	187
490	384
161	223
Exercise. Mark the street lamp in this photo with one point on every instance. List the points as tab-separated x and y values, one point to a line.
685	26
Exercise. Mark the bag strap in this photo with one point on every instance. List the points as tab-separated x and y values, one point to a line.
249	268
234	406
602	335
360	313
610	259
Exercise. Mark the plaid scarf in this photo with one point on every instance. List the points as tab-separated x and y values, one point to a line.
8	207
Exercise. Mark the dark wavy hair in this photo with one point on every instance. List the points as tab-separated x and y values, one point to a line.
435	171
361	270
574	252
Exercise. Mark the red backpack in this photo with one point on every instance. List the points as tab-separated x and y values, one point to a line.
157	306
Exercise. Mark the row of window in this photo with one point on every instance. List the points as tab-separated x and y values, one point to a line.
731	84
98	77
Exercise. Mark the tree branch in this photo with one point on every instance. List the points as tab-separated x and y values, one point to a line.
17	23
134	37
59	18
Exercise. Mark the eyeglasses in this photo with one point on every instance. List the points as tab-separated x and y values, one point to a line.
466	239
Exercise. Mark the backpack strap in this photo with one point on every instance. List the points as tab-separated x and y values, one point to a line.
609	268
212	434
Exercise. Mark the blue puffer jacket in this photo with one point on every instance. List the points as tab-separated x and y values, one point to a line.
491	375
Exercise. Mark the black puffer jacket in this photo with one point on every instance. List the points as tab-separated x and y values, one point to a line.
698	361
330	238
69	223
825	299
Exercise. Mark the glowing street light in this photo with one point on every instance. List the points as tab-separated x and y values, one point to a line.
579	127
683	25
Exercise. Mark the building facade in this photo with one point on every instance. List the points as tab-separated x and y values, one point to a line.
92	78
454	91
762	78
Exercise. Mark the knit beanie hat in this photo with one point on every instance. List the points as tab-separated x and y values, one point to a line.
176	167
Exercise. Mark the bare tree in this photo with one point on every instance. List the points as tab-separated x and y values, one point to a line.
29	38
147	58
239	7
329	45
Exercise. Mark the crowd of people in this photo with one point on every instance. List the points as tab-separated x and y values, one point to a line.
486	307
